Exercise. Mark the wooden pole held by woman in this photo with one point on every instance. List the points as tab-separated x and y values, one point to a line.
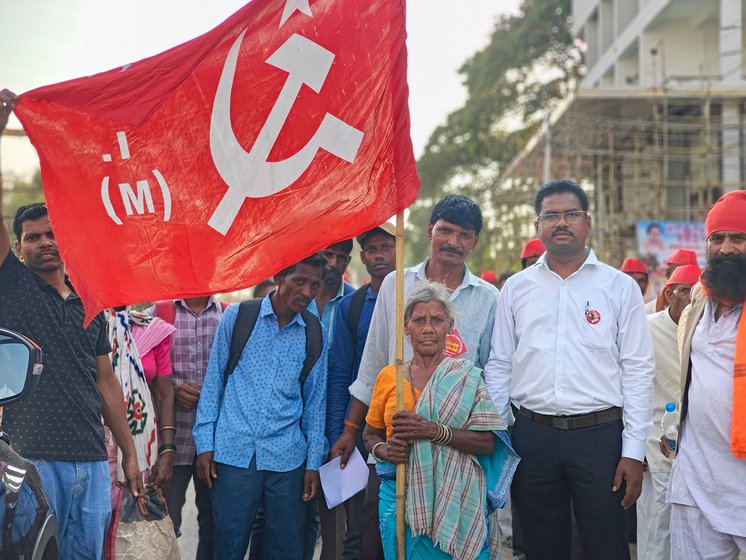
401	469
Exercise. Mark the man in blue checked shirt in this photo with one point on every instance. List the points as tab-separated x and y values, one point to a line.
259	441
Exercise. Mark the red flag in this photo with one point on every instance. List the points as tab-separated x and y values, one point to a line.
210	166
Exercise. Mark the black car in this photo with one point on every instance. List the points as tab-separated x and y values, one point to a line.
29	529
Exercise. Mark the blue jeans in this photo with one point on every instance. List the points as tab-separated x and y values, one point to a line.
310	533
78	494
310	528
236	495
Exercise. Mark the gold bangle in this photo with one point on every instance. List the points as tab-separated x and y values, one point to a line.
449	436
166	451
373	451
437	436
167	428
444	435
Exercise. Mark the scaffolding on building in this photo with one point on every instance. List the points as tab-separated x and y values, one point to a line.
640	155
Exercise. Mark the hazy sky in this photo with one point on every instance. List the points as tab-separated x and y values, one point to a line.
47	41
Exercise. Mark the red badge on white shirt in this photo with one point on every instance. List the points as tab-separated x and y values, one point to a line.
591	315
454	345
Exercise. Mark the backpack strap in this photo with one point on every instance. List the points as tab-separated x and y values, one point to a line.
248	312
353	317
164	309
314	344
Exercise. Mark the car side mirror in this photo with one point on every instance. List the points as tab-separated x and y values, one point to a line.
20	366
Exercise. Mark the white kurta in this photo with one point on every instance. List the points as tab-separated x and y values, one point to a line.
705	473
666	383
653	513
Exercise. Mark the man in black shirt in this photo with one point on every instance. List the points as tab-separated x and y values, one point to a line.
59	425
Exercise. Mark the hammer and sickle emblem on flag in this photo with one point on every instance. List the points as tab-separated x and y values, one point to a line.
249	174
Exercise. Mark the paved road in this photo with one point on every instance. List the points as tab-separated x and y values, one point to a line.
188	539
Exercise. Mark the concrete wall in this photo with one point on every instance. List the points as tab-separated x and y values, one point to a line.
626	11
681	51
622	20
628	68
581	11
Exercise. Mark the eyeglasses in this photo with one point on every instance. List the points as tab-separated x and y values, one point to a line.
571	217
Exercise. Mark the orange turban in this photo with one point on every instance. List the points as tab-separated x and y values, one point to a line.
727	214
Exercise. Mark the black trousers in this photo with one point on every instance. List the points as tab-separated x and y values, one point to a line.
175	494
560	466
371	534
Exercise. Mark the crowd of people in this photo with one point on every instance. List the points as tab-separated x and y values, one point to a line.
532	401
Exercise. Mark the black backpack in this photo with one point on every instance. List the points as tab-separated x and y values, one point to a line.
248	312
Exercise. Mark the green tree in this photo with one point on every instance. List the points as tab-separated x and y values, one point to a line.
17	192
528	66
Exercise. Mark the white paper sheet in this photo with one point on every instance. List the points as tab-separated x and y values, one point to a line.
341	484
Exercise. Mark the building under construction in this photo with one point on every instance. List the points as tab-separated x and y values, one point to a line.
654	131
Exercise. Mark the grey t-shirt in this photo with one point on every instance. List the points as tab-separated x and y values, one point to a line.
61	419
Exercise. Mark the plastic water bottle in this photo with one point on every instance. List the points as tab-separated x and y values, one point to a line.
670	426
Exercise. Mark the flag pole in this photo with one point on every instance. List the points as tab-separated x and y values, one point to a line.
401	469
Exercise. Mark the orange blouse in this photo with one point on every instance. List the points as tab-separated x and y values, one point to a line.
383	401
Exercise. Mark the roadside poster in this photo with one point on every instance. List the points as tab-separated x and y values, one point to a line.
657	240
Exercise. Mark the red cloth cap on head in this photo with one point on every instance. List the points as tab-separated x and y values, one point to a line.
681	257
489	276
634	265
727	214
533	248
687	274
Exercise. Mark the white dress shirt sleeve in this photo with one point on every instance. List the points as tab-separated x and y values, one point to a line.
637	362
498	371
376	351
485	340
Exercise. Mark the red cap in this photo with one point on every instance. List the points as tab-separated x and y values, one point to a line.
686	274
681	257
533	248
634	265
727	214
489	276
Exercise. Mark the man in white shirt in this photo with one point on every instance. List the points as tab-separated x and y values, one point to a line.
707	492
570	347
453	232
653	513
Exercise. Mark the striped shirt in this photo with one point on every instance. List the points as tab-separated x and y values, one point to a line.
190	354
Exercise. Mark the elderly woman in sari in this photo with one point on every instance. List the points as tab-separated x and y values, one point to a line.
451	437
